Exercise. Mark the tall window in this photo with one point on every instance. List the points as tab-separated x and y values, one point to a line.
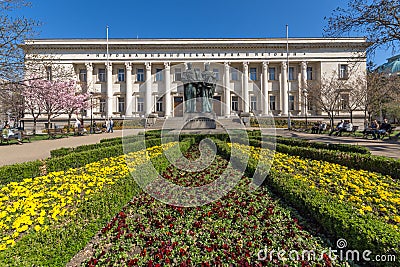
82	75
235	103
343	72
216	71
102	75
49	74
121	75
234	75
291	102
158	75
121	104
140	75
253	74
159	105
272	102
253	102
102	107
140	104
291	74
344	101
178	74
271	72
309	73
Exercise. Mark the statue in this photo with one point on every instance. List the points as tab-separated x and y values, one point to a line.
198	84
208	88
190	91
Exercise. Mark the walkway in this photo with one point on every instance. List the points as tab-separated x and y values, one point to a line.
13	153
386	148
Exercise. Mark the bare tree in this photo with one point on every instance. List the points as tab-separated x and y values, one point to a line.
378	20
356	95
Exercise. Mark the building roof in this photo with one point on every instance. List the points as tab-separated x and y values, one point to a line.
392	66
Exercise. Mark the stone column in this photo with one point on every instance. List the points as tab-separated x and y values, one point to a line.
129	90
303	87
109	90
265	100
167	96
227	101
89	82
284	90
246	87
148	106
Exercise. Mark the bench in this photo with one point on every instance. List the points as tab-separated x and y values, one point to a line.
80	131
7	140
352	132
57	131
388	133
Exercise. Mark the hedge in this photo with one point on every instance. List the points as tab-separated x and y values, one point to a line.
19	171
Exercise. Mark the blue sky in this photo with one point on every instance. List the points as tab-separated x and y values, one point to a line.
183	19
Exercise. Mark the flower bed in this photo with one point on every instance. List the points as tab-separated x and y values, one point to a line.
230	231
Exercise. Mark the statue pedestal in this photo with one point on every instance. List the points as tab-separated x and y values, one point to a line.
199	120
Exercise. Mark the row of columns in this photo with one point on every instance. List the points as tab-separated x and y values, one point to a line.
148	105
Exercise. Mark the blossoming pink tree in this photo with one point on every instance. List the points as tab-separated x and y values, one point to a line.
74	102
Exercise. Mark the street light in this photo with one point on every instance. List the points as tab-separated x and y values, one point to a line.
305	105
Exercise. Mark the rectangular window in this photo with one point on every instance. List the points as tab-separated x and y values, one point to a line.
216	71
178	74
82	75
343	72
159	105
309	73
234	75
344	101
309	105
291	74
291	102
121	75
121	104
235	103
49	74
140	75
253	103
159	75
102	107
140	104
271	73
102	75
272	103
253	74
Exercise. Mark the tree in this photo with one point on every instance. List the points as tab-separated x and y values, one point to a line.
378	20
356	95
75	101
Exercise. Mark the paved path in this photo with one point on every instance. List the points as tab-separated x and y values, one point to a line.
386	148
14	153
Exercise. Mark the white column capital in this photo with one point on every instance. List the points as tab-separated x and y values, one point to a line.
89	66
148	65
284	65
303	65
227	64
108	65
167	65
265	65
245	65
128	66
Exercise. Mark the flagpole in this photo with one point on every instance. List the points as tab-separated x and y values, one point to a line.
287	65
108	114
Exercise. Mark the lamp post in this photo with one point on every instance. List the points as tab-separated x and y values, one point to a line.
91	112
305	105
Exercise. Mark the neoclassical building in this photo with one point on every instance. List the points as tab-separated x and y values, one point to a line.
142	76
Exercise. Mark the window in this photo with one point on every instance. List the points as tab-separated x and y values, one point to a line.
102	107
102	75
291	74
121	75
309	104
49	74
178	74
121	104
253	74
343	72
344	101
271	72
82	75
140	75
159	105
291	102
309	73
235	103
253	103
272	103
216	71
158	75
140	104
234	75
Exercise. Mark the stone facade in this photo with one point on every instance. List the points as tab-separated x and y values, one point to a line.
142	76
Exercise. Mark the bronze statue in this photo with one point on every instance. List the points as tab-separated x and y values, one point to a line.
208	88
190	90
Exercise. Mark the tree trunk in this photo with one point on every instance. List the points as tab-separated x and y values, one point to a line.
48	123
69	121
351	116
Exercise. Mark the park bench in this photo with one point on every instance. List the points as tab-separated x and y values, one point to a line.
352	132
57	131
7	140
388	133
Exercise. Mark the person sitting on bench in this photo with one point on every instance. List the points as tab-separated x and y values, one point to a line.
8	133
385	127
337	129
347	127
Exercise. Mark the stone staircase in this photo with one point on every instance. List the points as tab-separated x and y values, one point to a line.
178	122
